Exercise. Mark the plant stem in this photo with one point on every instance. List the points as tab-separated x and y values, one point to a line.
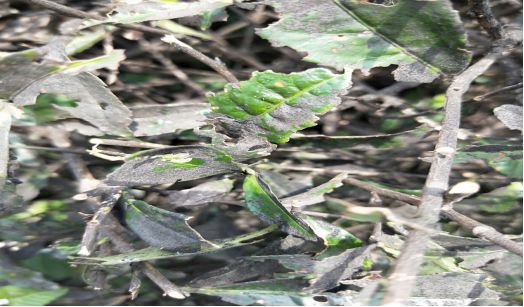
402	280
5	126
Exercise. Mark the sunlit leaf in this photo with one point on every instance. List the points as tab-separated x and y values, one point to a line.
425	38
274	105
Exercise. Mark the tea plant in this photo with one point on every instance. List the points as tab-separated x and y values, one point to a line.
213	181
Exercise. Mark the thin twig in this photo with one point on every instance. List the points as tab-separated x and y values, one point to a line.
410	199
124	143
88	244
5	126
185	48
481	230
496	92
173	69
402	279
486	19
123	246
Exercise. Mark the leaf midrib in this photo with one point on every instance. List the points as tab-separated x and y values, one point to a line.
372	29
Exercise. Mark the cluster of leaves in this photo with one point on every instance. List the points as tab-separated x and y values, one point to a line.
229	135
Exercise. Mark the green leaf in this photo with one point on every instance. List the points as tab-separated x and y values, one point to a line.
161	228
273	106
501	200
506	159
265	205
425	38
111	61
17	296
335	238
129	11
171	165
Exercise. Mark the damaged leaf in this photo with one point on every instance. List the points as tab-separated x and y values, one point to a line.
265	205
171	165
425	38
273	106
27	74
161	228
93	101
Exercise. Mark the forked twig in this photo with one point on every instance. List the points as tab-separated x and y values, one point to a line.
402	280
479	229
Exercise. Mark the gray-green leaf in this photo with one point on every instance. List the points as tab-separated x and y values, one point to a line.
161	228
425	38
171	165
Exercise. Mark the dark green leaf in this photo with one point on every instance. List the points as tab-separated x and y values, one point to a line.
264	204
506	159
161	228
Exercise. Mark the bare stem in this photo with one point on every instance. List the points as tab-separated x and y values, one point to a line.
402	280
88	244
486	19
5	126
480	230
